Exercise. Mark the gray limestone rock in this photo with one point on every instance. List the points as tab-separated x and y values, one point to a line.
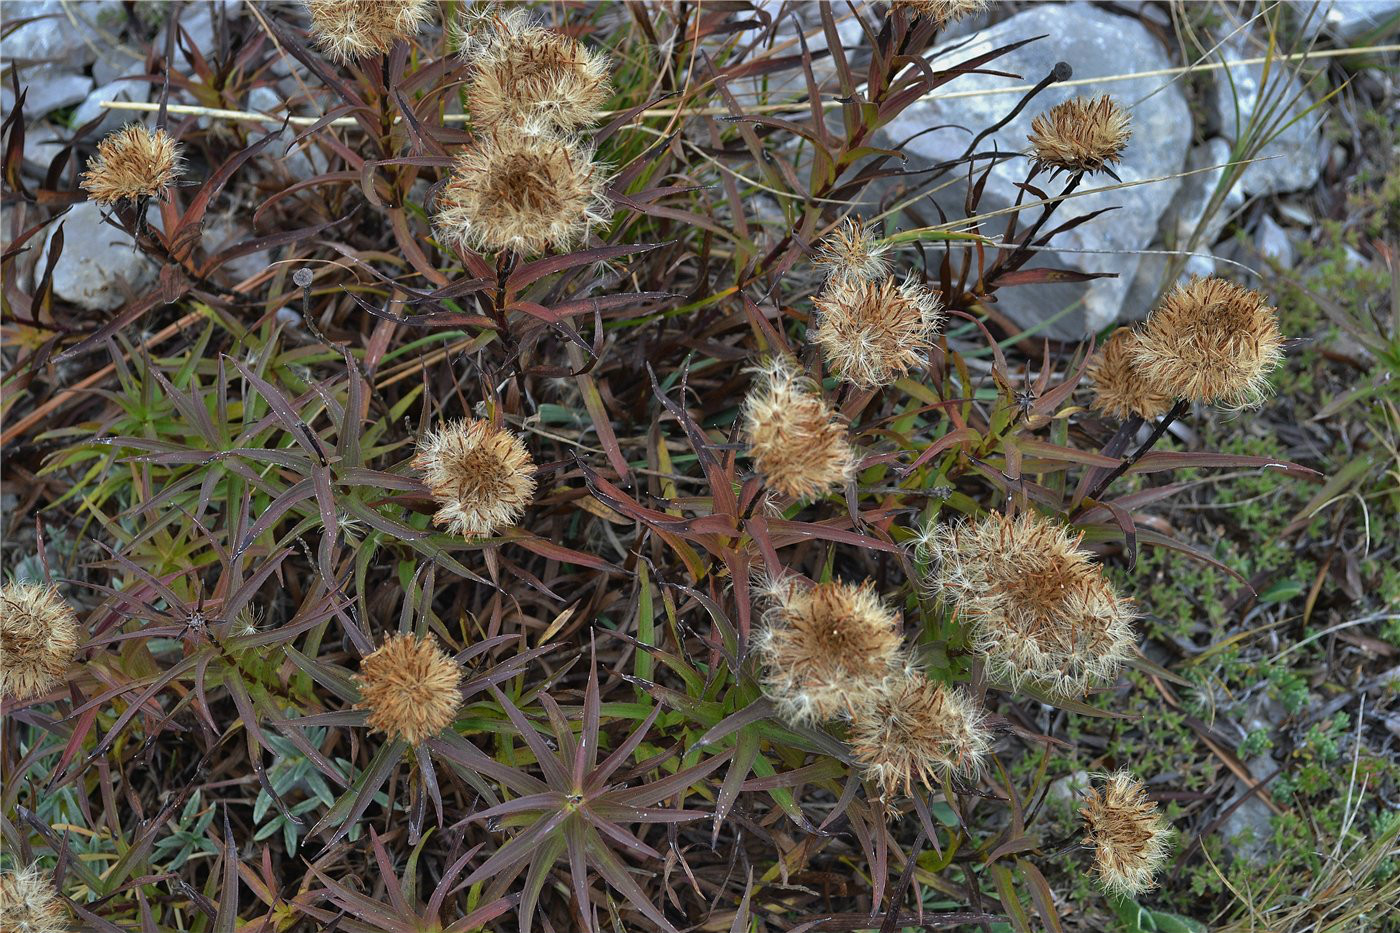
46	89
99	265
1351	20
67	34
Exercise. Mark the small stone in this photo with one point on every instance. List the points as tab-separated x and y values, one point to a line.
99	264
41	144
46	90
1248	830
1212	156
92	108
66	33
1295	213
1273	243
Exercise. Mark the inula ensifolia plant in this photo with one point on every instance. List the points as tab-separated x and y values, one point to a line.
349	29
410	687
797	441
29	903
1120	388
481	475
38	635
873	331
1127	833
132	164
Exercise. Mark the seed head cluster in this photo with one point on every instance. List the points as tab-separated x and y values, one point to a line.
918	731
872	332
526	74
132	163
29	903
38	635
349	29
1080	135
410	687
1041	609
851	252
1120	389
1128	834
482	476
828	648
941	12
1210	341
523	191
794	437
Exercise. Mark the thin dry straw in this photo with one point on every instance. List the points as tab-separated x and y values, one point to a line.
251	116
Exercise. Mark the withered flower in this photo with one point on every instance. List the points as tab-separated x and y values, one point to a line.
29	903
481	476
1129	836
410	687
524	73
130	164
850	251
918	730
794	436
38	635
827	648
1211	341
1120	388
349	29
1040	608
873	332
941	12
1080	135
522	192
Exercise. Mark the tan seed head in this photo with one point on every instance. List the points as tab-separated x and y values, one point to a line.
794	437
917	731
1120	389
130	164
1080	135
349	29
873	332
38	635
29	903
941	12
482	476
1128	834
410	688
851	251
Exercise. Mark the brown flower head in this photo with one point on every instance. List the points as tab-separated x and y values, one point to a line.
1211	341
794	436
873	332
918	730
1120	389
850	251
941	12
38	635
410	687
827	647
524	73
481	476
522	192
130	164
1127	832
29	903
349	29
1080	135
1041	609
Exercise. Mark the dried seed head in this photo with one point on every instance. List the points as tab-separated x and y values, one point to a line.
522	192
38	635
850	251
827	648
918	730
1211	341
525	73
873	332
29	903
1120	389
1080	135
481	476
941	12
410	686
1040	608
794	436
349	29
1129	836
132	163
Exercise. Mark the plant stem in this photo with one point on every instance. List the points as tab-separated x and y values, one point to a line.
1161	428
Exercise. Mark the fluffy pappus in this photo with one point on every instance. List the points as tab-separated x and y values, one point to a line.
410	687
1127	832
795	438
827	648
29	903
1041	610
349	29
1120	389
481	476
850	251
132	163
1211	341
941	12
1080	135
873	332
38	635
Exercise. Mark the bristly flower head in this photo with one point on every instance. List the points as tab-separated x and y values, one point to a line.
1211	341
527	192
410	686
1041	609
850	251
794	436
1129	836
1120	389
1080	135
525	73
919	730
38	635
482	476
873	332
941	12
29	903
130	164
349	29
827	648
